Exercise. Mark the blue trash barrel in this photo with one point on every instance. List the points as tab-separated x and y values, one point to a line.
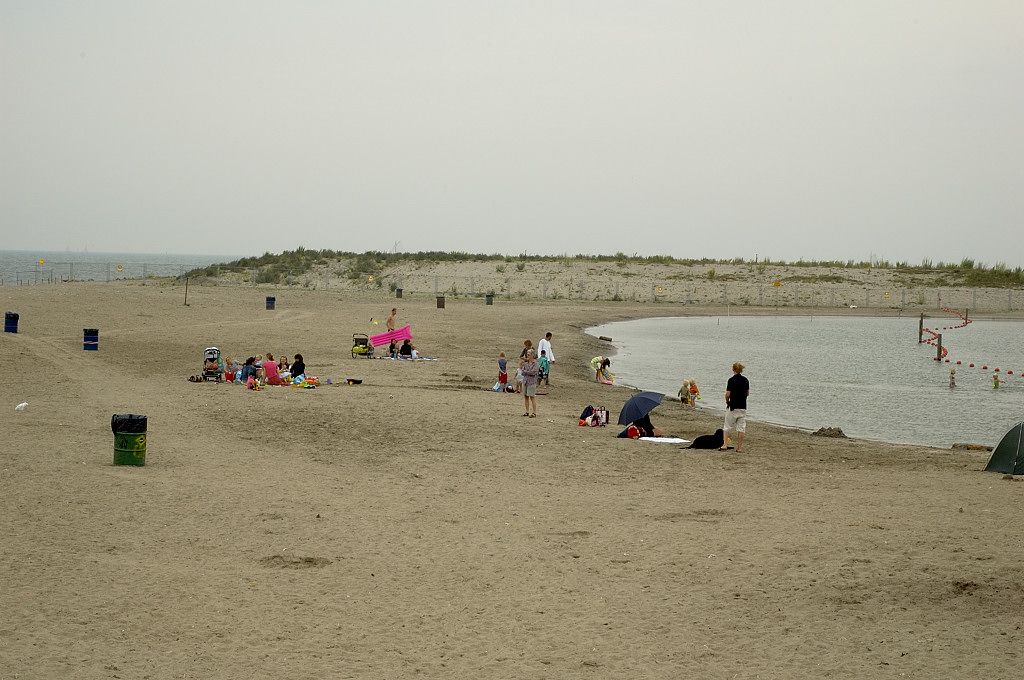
271	301
90	339
11	322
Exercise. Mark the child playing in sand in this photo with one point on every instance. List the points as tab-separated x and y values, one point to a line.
502	371
232	369
545	367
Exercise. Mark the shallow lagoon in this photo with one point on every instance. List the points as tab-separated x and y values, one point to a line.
868	376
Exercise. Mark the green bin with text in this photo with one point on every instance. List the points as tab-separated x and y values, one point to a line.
129	438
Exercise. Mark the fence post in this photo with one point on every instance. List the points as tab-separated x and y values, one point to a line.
920	329
938	349
1009	300
866	297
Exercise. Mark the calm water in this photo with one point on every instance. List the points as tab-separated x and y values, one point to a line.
23	265
866	375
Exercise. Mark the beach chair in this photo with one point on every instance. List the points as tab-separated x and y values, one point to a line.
361	346
213	368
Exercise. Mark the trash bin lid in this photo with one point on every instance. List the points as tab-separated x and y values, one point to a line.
127	422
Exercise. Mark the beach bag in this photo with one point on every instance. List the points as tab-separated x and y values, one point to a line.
594	416
586	416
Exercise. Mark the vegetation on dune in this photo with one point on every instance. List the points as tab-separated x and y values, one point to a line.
276	268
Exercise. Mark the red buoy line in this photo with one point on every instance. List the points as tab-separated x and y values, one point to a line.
933	339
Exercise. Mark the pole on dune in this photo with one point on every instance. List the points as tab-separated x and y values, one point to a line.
920	329
938	348
186	291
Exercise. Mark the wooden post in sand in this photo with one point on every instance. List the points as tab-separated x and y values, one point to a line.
920	329
186	292
938	349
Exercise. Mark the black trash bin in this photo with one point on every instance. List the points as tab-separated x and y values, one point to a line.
11	322
440	302
271	301
398	292
489	298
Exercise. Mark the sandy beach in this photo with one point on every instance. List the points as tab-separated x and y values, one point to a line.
417	526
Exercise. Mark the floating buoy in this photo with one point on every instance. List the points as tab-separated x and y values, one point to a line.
984	367
947	361
957	362
1010	372
970	365
996	370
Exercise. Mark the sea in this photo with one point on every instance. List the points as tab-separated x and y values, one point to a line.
20	267
868	376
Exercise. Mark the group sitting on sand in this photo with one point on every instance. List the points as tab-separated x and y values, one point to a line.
269	371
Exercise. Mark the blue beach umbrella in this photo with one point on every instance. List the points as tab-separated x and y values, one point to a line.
639	405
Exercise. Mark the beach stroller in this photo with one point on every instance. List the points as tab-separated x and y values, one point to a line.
361	346
213	368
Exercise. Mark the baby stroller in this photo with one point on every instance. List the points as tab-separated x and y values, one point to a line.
361	346
213	369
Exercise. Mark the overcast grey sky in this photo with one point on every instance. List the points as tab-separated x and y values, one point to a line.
814	129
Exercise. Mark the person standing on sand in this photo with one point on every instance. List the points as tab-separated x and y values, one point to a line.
545	346
736	391
390	322
530	371
527	344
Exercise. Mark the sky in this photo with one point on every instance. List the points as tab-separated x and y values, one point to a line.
812	129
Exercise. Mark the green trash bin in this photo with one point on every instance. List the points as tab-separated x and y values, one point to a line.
489	298
129	438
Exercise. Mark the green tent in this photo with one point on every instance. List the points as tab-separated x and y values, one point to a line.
1008	457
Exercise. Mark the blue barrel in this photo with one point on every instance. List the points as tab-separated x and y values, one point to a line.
271	301
11	322
90	339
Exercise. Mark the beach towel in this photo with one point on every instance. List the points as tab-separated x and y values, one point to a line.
398	335
665	440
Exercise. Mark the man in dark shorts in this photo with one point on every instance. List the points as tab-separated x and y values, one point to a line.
736	391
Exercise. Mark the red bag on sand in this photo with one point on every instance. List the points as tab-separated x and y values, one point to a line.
633	432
